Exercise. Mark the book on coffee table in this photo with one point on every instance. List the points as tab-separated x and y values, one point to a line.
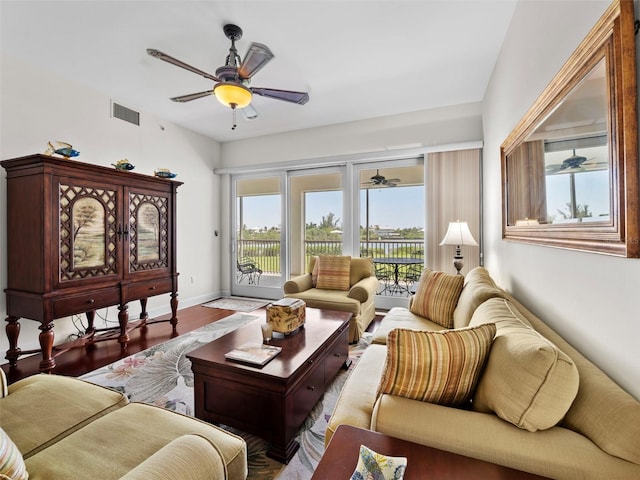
253	353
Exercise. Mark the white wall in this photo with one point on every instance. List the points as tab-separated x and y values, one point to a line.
590	299
37	108
439	126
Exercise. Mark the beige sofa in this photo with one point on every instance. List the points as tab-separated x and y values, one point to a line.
357	299
67	428
598	436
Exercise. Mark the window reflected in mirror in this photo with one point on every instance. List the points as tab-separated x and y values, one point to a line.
561	173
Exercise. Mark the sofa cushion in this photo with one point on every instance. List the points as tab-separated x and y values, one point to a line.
528	381
75	403
329	300
437	367
11	462
188	456
437	296
478	288
602	411
133	434
334	272
400	317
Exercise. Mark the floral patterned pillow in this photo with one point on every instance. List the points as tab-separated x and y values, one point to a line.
375	466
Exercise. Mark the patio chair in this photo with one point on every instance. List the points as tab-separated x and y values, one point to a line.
384	274
248	269
412	277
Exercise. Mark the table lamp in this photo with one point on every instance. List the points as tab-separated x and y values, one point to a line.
458	234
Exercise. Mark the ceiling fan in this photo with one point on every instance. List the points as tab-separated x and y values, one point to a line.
576	163
232	80
380	181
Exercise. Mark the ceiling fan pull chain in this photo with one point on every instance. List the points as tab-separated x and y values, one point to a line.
233	107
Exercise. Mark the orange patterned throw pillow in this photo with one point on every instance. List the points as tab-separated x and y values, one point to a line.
333	272
437	296
440	367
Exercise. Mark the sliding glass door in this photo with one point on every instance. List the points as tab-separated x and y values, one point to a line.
395	211
316	215
258	237
392	214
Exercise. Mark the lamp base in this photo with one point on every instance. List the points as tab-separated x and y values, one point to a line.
458	263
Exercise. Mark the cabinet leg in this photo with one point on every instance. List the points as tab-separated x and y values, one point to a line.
123	319
47	364
91	330
91	315
13	331
144	316
174	309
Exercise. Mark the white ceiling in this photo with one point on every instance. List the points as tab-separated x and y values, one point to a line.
357	59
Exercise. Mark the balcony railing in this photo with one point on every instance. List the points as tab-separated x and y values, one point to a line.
267	252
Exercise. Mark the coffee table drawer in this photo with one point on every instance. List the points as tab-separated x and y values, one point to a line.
308	392
337	356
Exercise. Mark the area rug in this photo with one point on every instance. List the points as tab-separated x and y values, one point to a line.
238	304
161	375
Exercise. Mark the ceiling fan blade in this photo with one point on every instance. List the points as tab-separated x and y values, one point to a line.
178	63
192	96
257	57
287	95
249	112
393	180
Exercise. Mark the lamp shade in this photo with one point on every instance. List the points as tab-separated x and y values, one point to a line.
458	234
232	95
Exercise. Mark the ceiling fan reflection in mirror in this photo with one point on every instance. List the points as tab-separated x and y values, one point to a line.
380	181
576	163
232	80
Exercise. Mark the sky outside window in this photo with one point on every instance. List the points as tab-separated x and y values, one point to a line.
396	208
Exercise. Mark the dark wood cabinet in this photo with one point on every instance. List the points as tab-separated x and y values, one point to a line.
81	237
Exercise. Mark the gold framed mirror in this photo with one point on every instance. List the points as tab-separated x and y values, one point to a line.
570	166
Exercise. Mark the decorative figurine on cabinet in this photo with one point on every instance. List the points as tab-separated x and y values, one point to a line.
63	148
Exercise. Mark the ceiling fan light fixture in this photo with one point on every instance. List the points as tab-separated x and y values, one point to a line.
232	95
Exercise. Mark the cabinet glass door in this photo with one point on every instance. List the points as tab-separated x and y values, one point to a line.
148	231
88	233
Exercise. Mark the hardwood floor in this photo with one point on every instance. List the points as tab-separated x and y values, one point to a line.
79	360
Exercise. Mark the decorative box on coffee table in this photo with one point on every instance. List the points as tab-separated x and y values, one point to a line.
286	315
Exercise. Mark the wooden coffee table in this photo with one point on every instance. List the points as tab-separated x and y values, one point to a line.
271	401
341	457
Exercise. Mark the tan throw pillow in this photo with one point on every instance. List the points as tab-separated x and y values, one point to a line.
478	288
437	296
11	462
333	272
436	367
528	381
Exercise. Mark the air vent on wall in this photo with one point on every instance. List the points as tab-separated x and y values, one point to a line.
124	113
